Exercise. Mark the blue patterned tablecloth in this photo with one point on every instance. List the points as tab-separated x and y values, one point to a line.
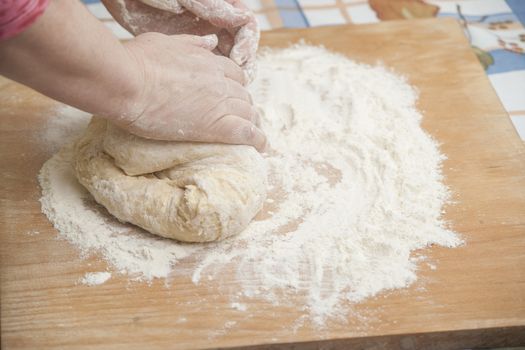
495	29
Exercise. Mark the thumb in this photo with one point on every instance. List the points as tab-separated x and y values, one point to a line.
208	42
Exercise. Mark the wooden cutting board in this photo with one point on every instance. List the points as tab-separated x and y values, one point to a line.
475	297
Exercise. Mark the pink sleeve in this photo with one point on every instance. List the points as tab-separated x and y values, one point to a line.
17	15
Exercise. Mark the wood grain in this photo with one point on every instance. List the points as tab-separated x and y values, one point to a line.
476	297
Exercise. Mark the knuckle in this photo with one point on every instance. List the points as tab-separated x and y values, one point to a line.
223	88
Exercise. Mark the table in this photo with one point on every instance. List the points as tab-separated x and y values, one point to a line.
475	298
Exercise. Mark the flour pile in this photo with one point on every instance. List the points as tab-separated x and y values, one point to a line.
95	278
355	184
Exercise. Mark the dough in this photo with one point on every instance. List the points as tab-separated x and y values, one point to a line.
193	192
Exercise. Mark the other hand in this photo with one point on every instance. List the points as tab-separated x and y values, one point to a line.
232	22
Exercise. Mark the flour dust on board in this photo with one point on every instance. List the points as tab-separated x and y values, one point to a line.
355	187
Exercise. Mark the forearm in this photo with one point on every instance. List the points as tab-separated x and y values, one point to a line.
68	55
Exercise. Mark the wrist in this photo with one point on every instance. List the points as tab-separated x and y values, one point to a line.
126	89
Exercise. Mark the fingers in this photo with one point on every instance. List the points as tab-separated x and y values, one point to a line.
233	129
236	101
170	6
240	109
246	42
217	12
208	42
250	69
235	90
231	70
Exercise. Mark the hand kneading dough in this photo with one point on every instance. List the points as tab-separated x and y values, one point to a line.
191	192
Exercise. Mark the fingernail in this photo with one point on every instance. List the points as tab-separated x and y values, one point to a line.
259	139
211	40
237	56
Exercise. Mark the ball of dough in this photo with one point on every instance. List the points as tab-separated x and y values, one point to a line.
192	192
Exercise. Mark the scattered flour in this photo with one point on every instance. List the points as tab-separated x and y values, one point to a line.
64	127
355	187
95	278
238	306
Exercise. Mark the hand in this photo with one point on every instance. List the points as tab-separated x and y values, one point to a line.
188	93
157	86
230	20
